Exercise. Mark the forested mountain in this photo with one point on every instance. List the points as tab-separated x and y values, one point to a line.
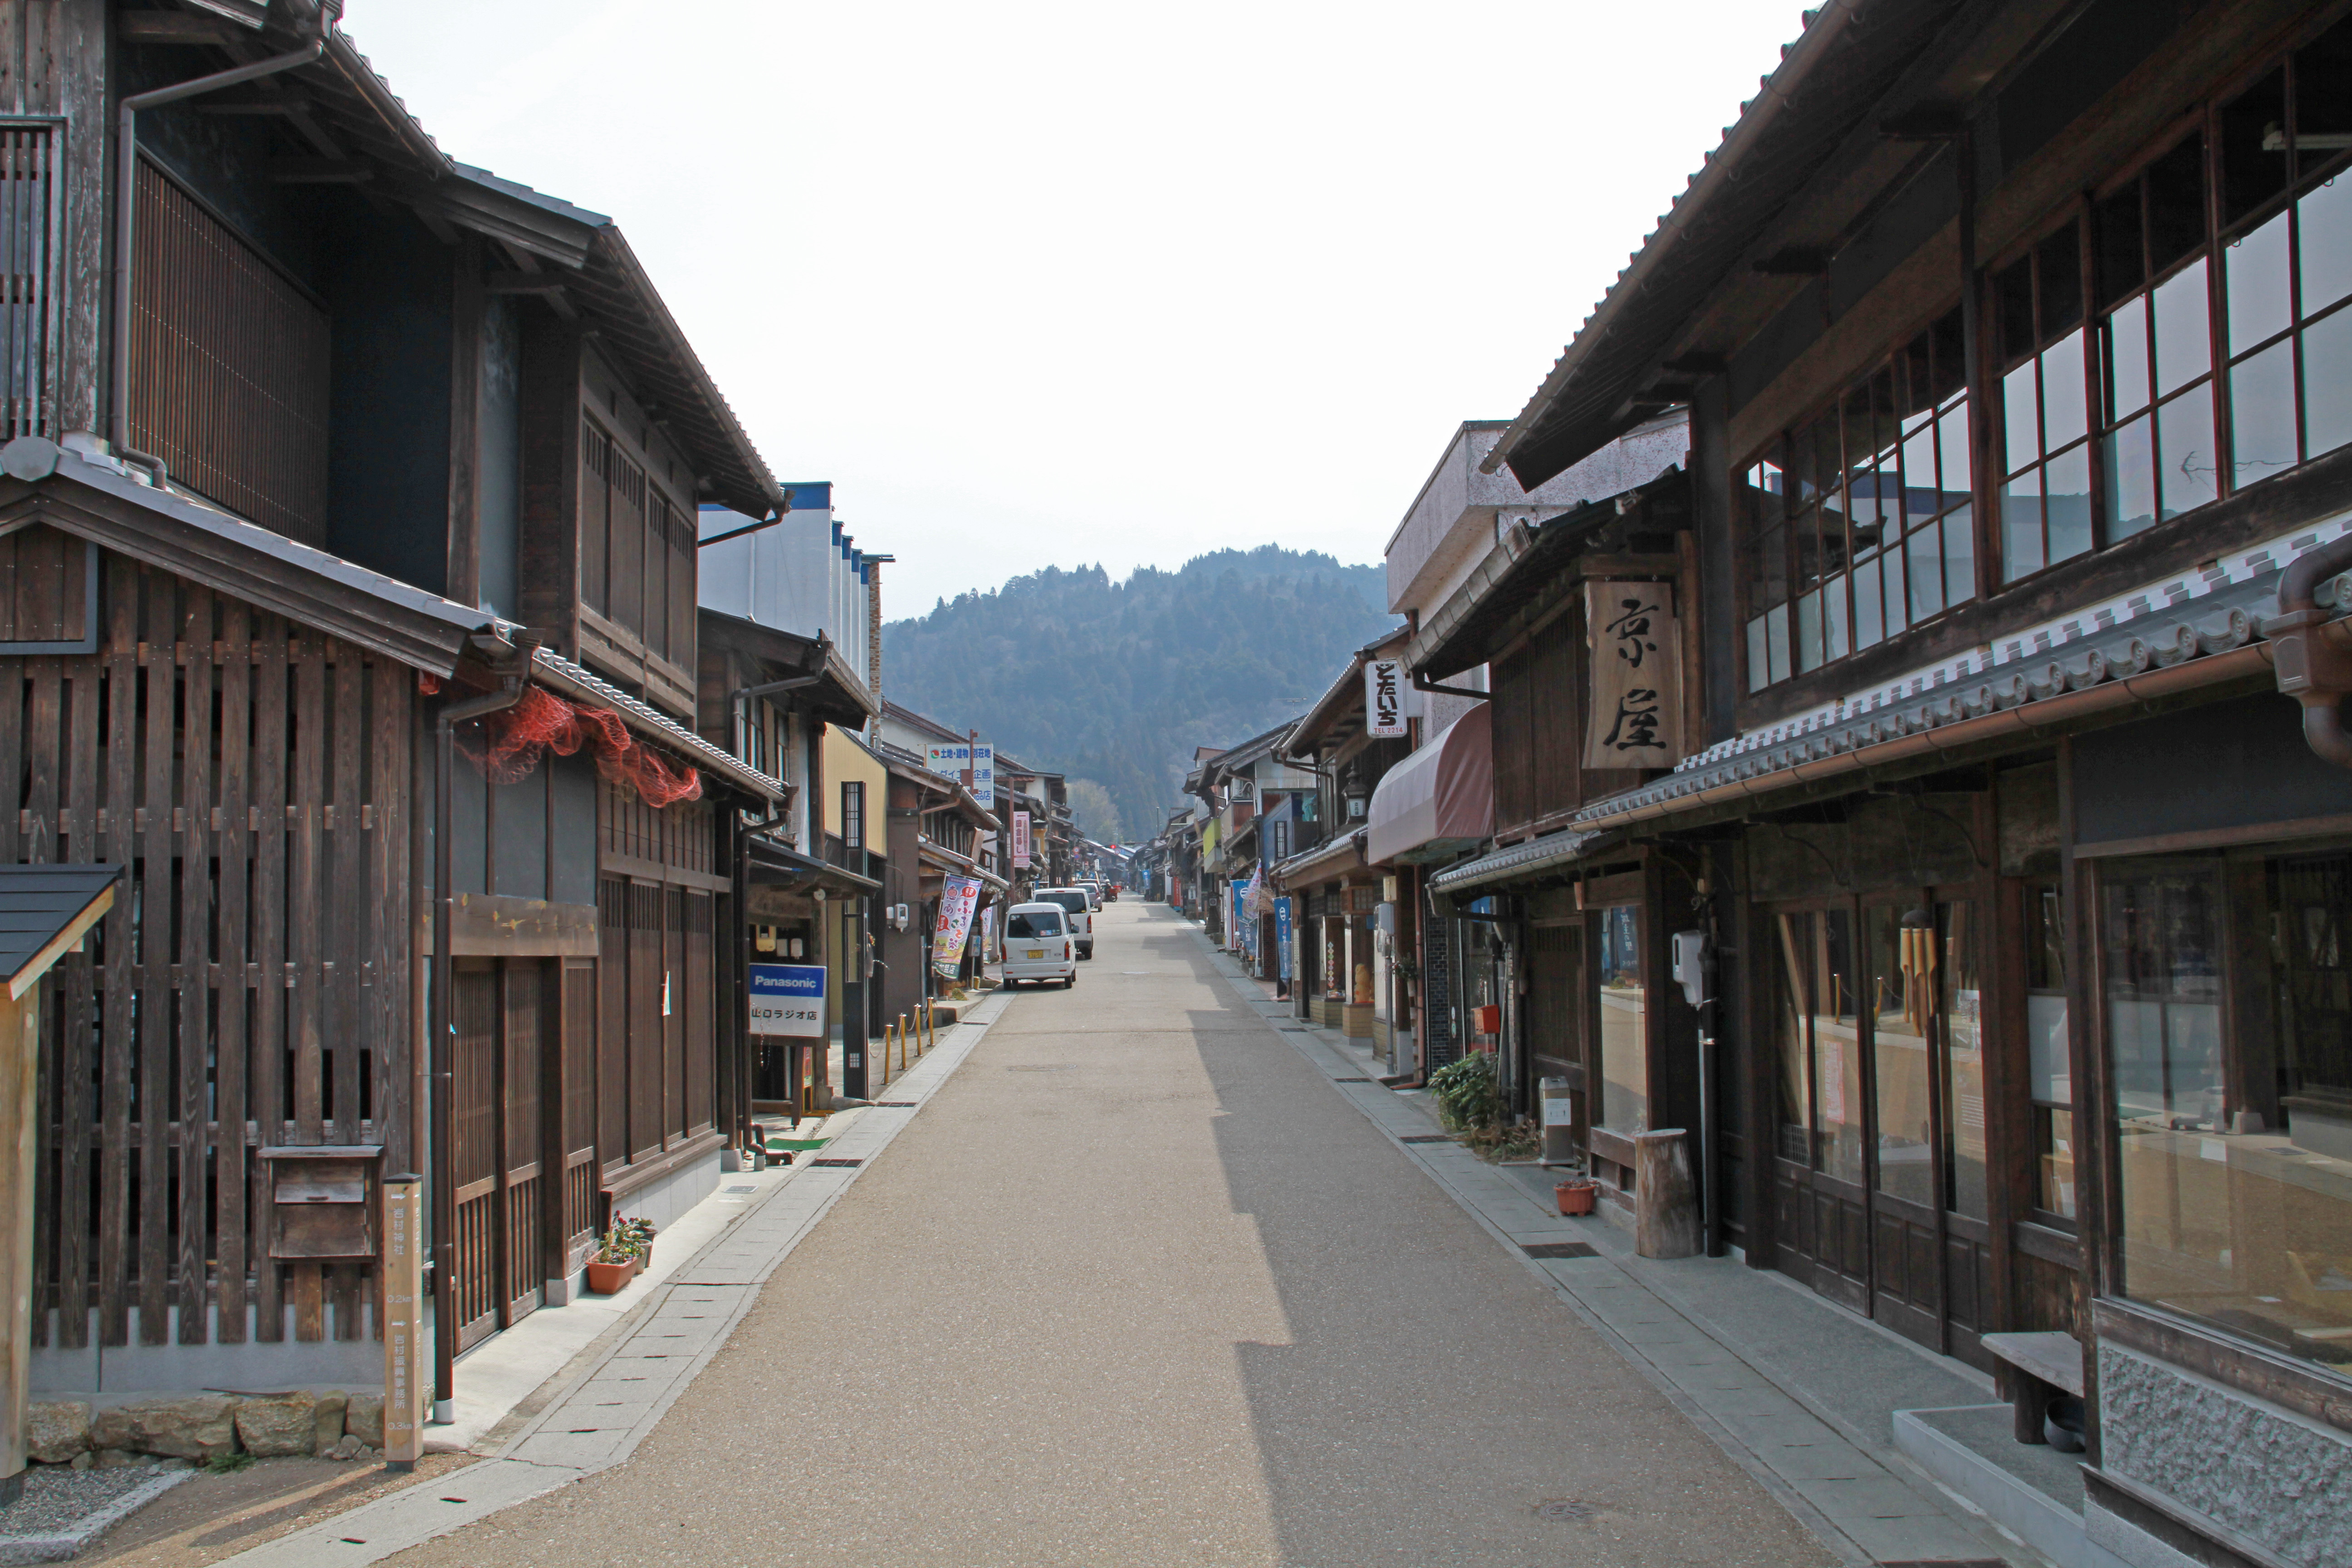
1118	682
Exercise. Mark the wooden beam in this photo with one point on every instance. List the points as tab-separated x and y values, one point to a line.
319	172
177	27
519	282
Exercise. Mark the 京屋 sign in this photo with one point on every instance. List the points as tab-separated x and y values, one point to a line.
1384	686
1636	719
787	998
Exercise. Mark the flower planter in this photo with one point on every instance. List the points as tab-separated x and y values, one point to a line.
1576	1196
609	1278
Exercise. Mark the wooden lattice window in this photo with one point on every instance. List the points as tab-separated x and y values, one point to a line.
32	217
228	365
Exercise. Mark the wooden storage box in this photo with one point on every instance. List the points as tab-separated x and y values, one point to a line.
322	1200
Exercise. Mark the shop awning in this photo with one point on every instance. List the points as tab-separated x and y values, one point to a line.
1537	856
771	863
1337	858
1440	800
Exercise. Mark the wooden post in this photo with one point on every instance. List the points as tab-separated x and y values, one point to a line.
402	1306
20	1035
1665	1198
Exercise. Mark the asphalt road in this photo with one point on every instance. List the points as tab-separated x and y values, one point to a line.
1138	1286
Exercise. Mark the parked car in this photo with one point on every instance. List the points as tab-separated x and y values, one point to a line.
1081	907
1094	893
1038	945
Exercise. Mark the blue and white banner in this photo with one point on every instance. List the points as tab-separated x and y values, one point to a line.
1282	935
787	999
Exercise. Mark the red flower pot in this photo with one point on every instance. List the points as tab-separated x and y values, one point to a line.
609	1278
1576	1196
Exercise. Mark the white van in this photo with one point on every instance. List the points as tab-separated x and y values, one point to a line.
1081	907
1038	945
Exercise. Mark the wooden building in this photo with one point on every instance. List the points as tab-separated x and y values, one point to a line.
365	436
2012	805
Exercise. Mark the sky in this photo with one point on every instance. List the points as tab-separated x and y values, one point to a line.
1045	284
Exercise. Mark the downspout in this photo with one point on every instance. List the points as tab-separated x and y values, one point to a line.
2310	666
126	210
445	1194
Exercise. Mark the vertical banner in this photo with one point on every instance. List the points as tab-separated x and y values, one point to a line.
1282	935
1636	719
956	905
1019	840
1384	698
401	1304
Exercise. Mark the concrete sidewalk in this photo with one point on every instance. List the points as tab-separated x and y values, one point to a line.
590	1409
1802	1394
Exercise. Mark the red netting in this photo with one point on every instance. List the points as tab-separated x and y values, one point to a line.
512	741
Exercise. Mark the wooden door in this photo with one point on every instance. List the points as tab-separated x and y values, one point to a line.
1821	1166
473	1153
571	1136
1906	1178
522	1254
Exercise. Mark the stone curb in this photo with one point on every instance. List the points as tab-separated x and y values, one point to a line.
377	1530
68	1544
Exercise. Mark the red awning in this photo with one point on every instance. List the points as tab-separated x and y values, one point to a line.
1438	801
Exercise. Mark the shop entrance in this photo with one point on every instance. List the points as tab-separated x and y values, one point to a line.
1879	1162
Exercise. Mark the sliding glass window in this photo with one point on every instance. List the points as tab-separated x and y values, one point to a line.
1859	521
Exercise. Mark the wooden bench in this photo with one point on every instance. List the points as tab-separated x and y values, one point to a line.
2031	1371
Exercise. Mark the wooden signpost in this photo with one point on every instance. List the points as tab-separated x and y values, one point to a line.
404	1321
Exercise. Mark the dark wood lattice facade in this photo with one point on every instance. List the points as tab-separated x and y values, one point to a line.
249	988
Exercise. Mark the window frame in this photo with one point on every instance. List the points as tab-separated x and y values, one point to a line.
1948	408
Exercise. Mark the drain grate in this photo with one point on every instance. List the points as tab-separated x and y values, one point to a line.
1352	1080
1425	1138
837	1164
1559	1249
1566	1508
743	1189
895	1104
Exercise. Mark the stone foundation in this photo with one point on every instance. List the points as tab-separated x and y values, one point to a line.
2259	1470
102	1430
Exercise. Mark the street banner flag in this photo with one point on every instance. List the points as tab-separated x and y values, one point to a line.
956	905
1020	841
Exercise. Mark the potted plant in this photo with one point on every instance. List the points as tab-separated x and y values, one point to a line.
639	1234
614	1265
1576	1194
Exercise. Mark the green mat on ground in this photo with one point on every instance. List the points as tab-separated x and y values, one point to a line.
778	1145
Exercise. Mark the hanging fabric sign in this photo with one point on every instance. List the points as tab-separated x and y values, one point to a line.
1384	698
1020	841
957	903
1636	718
